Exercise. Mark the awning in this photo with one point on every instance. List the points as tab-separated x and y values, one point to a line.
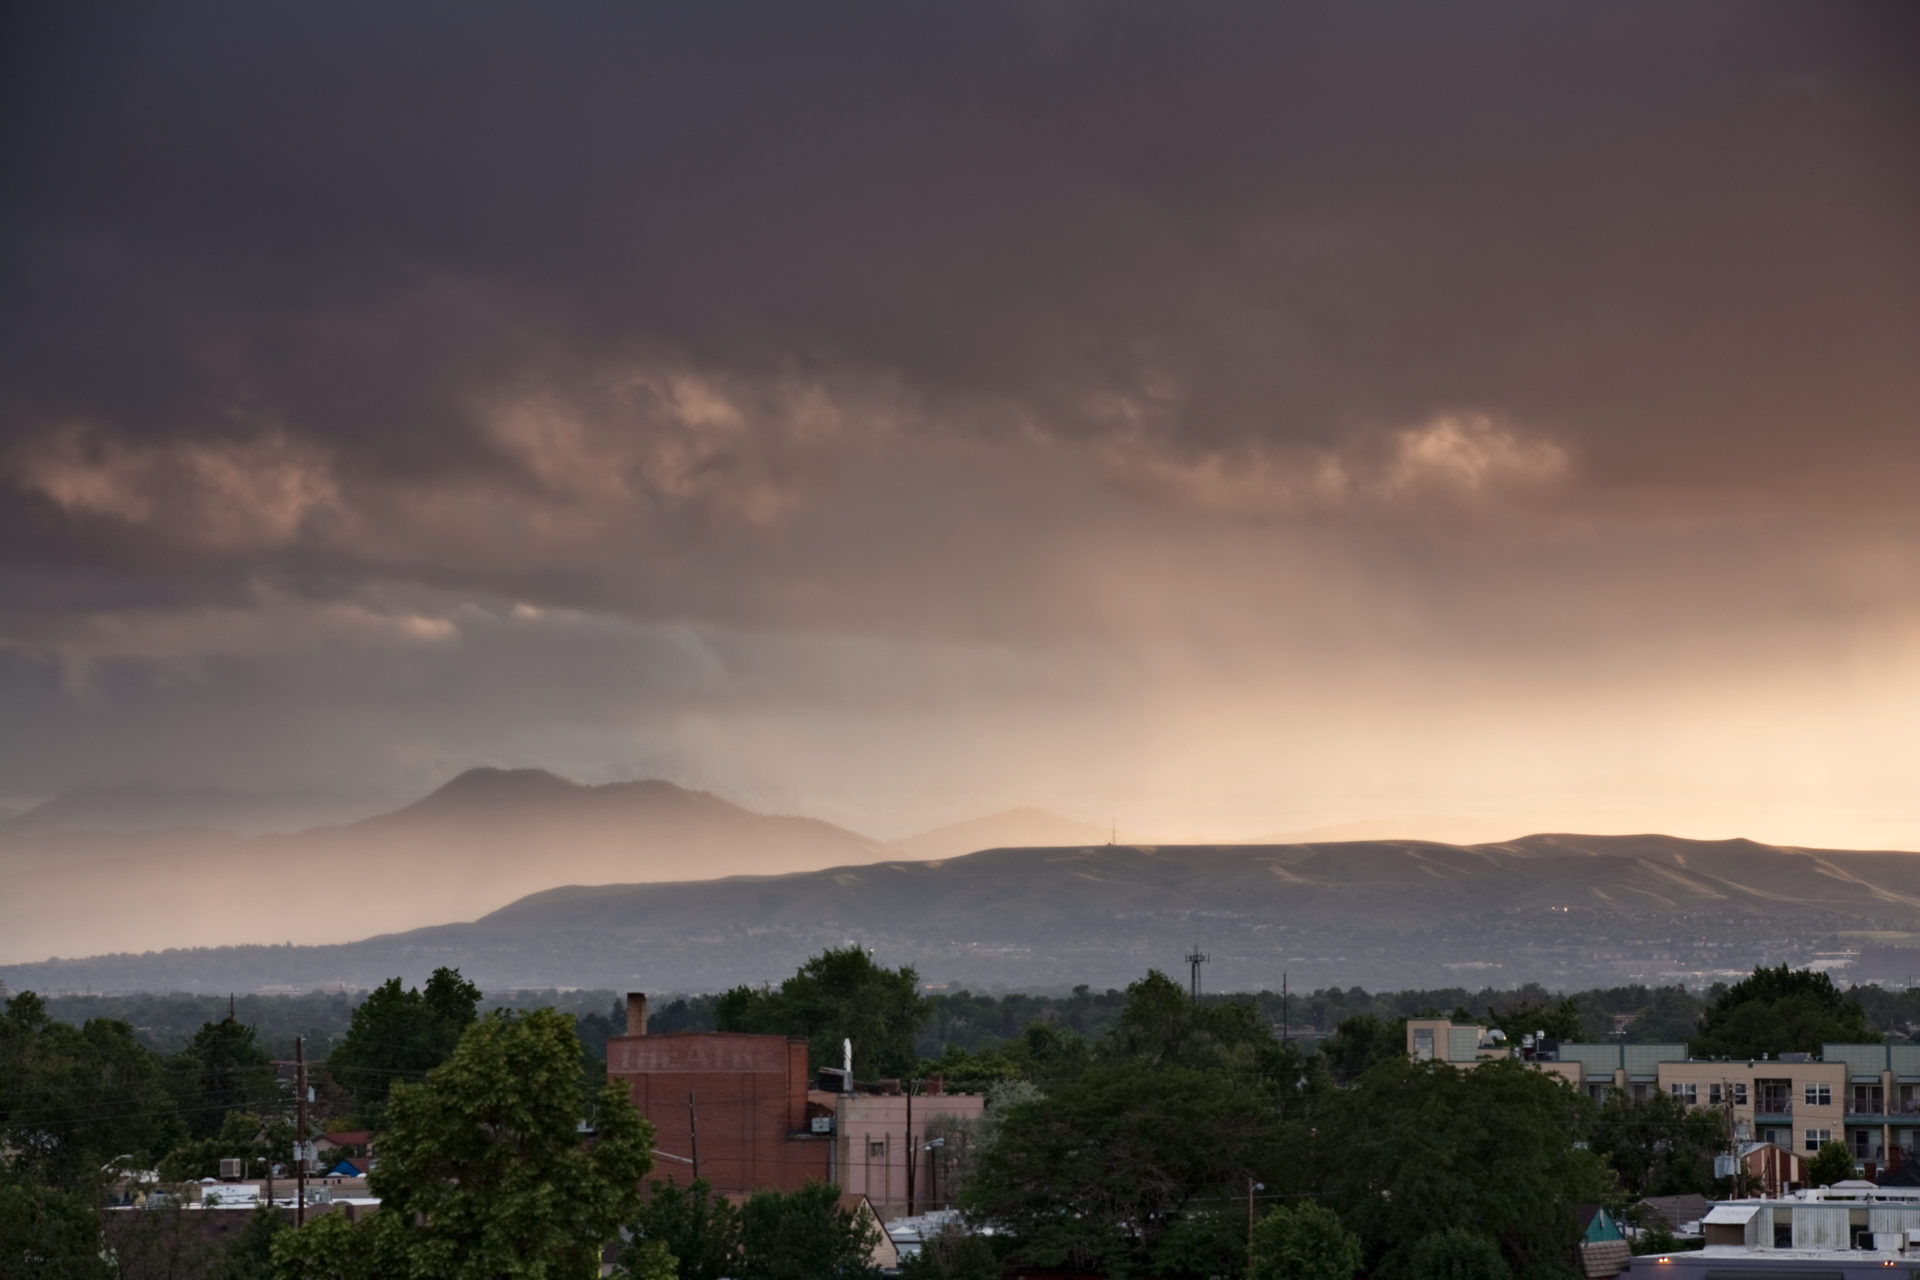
1730	1215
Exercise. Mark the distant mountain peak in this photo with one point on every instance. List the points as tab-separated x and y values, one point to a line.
486	782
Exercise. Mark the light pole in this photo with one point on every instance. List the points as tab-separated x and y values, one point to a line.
1252	1187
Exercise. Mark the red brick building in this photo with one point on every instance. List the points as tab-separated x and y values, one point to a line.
729	1105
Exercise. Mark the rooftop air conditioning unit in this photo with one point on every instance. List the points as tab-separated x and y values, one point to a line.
823	1124
229	1169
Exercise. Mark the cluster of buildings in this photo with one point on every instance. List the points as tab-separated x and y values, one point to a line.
1864	1095
744	1112
1850	1231
741	1111
1779	1111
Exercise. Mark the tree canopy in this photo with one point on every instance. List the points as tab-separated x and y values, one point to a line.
400	1033
1094	1173
1658	1145
1304	1242
839	994
74	1098
47	1234
1780	1010
695	1226
1832	1163
804	1234
485	1170
1161	1025
1416	1148
222	1069
1456	1254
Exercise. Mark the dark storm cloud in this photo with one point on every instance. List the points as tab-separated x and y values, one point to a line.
1112	334
1659	234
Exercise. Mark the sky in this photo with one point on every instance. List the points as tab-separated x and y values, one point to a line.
1220	420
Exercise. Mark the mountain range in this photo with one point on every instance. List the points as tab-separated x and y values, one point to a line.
135	869
1565	910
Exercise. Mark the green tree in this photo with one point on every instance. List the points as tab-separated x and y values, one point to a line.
1360	1041
74	1098
243	1136
47	1234
484	1170
647	1260
1780	1010
1305	1242
1161	1025
698	1228
1202	1245
839	994
249	1255
1560	1019
331	1248
162	1241
805	1235
1670	1016
222	1069
1456	1254
952	1253
1415	1148
1658	1145
1092	1174
1830	1164
399	1033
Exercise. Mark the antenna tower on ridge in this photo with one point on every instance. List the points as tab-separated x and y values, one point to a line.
1194	961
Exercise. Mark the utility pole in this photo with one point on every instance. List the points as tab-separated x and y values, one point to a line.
1249	1224
300	1130
693	1133
913	1147
1733	1142
1194	961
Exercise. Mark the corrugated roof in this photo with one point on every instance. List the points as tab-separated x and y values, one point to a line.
1730	1215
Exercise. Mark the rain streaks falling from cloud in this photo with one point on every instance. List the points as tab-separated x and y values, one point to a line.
1261	416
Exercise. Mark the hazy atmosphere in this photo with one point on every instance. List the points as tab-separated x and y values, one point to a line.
1222	422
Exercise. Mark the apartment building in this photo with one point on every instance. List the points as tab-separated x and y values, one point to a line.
1865	1095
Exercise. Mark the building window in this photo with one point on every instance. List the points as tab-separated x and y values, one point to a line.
1819	1095
1423	1044
1739	1095
1687	1093
876	1150
1713	1095
1817	1137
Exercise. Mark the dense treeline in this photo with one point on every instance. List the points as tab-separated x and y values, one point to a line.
1135	1132
968	1020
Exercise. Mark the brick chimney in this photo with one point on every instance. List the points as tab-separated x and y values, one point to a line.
636	1013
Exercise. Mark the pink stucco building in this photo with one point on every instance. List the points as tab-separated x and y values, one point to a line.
893	1160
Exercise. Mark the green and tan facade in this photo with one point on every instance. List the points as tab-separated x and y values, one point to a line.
1865	1095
